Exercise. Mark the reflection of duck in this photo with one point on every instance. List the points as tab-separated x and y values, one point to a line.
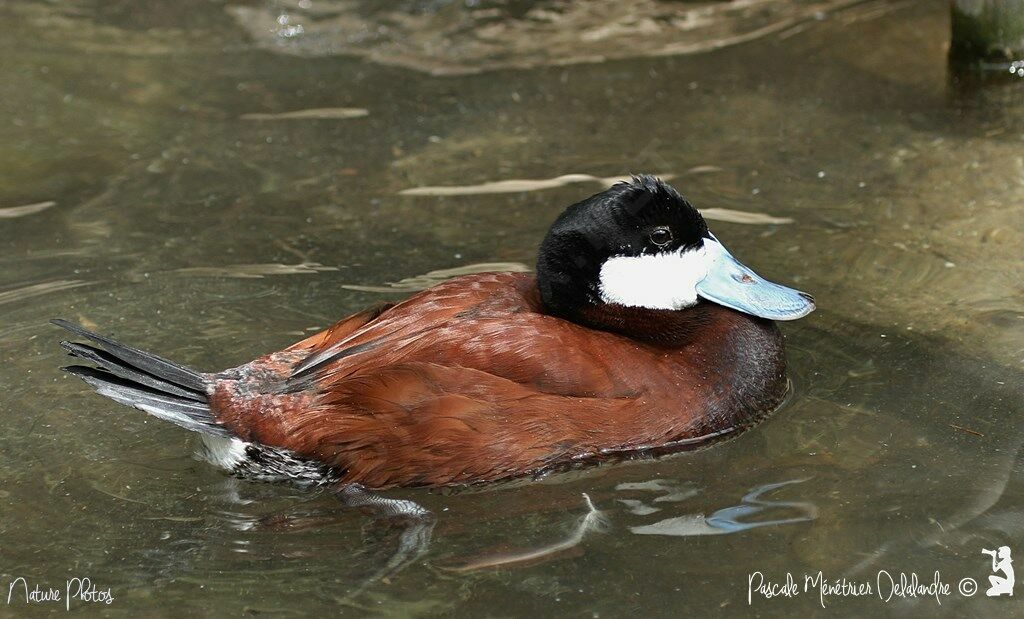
639	331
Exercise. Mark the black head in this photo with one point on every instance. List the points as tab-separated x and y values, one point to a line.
640	244
645	216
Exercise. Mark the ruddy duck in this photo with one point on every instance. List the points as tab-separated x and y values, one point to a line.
639	332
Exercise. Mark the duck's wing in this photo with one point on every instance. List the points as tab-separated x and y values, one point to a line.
425	317
426	424
340	331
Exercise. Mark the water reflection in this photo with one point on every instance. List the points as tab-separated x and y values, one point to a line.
592	522
10	212
481	36
728	519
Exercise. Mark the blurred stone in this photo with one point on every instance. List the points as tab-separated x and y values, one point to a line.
446	38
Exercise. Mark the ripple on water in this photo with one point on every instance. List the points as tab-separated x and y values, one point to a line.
35	290
11	212
431	278
256	271
323	113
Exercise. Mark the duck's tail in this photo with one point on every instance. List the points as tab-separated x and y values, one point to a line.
144	381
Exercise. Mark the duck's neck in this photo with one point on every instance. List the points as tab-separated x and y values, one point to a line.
669	328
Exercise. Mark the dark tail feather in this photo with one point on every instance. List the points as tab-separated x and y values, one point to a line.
119	368
135	358
143	381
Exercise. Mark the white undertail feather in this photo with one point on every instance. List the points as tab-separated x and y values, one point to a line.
224	452
258	462
665	281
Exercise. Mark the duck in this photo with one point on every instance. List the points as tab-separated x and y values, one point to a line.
638	333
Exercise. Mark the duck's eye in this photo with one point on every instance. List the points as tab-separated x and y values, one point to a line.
661	236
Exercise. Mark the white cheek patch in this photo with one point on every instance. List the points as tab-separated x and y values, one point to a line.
656	281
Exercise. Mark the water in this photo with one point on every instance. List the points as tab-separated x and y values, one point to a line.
182	228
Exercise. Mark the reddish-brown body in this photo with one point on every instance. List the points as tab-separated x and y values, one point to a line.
471	381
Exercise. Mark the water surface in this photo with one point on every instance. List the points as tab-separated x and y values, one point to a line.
190	218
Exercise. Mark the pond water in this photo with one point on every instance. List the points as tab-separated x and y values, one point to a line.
167	202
